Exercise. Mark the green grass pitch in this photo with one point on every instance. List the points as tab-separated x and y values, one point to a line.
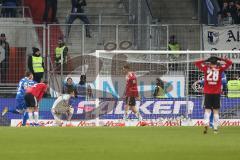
127	143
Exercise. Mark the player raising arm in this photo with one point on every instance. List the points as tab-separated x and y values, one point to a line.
32	97
62	107
212	87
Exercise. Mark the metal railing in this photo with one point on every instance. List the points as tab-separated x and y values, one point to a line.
101	17
141	10
15	12
124	36
152	37
149	8
21	38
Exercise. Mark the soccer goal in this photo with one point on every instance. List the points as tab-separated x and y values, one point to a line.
181	97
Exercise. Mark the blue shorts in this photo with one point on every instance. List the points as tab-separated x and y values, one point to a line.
20	105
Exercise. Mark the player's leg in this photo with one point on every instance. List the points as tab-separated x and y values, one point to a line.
126	109
216	120
21	109
69	116
11	110
125	116
211	120
57	118
30	104
36	115
136	112
133	107
216	112
36	112
15	110
207	112
4	111
25	114
25	118
30	115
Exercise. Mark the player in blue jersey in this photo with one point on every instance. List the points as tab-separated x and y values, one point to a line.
20	107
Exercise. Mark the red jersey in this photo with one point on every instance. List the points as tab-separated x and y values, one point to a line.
37	90
131	85
213	76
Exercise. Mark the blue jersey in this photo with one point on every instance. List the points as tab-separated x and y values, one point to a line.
22	85
20	89
29	83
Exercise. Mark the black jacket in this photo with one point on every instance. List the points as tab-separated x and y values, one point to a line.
77	6
5	46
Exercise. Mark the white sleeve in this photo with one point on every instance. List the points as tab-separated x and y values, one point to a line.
61	99
57	101
61	105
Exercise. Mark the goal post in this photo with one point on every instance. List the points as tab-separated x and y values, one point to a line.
182	87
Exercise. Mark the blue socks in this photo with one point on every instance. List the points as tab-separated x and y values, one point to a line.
211	120
13	111
25	118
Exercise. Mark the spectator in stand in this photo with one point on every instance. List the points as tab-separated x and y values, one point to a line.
50	4
61	50
238	12
220	3
84	90
159	91
225	13
89	92
78	12
229	13
4	60
233	12
36	65
9	8
69	85
81	88
173	45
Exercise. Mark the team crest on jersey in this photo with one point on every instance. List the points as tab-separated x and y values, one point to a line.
213	37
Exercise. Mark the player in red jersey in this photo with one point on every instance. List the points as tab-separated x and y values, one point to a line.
212	87
32	97
131	93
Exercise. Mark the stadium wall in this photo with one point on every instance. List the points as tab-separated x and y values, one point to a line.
160	112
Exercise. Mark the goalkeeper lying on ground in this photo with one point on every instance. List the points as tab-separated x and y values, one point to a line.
62	108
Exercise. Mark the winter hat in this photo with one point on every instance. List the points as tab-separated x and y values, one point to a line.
34	49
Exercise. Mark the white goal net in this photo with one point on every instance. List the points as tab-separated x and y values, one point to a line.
182	91
180	101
